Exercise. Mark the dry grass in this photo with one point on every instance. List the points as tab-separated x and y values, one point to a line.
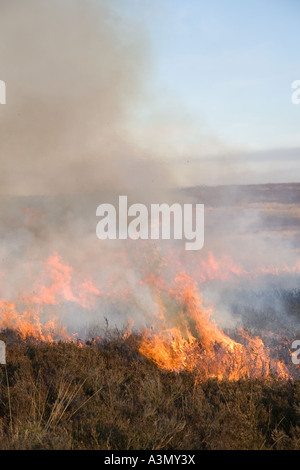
107	396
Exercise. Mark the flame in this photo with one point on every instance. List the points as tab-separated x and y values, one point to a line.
226	269
189	339
28	323
30	316
183	335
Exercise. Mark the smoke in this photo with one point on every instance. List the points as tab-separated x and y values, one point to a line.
75	72
76	75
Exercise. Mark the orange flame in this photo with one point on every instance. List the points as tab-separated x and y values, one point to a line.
188	339
183	335
52	288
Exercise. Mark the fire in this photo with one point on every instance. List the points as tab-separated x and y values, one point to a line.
183	334
189	339
60	286
224	268
36	315
28	323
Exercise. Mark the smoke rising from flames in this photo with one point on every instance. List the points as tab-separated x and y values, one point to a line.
183	336
75	72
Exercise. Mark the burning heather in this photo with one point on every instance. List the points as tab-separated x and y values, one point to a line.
227	310
149	291
181	333
192	341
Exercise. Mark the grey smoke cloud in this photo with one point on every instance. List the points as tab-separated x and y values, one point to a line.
74	72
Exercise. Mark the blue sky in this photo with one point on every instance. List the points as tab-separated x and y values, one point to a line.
229	65
201	87
232	62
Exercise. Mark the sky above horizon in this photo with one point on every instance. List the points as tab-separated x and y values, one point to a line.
226	68
156	93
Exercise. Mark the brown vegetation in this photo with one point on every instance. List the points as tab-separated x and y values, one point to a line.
106	395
